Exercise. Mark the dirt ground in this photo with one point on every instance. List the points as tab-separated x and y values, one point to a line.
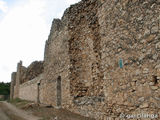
48	112
3	115
10	112
55	114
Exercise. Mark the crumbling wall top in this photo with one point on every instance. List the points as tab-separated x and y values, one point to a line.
32	71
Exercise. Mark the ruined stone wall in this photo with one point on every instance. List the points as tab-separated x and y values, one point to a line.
13	82
56	64
83	55
29	90
99	34
32	71
85	50
23	75
18	79
130	31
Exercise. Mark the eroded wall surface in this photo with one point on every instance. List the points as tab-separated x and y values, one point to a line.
85	49
32	71
101	34
130	31
56	64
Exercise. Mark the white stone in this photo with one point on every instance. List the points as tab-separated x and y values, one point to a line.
141	99
155	57
158	78
158	45
147	32
146	70
151	83
154	87
138	72
140	18
144	105
157	66
154	29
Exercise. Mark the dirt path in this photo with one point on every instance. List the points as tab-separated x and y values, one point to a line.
26	109
9	111
3	116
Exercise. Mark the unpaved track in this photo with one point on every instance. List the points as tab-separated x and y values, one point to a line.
3	116
7	111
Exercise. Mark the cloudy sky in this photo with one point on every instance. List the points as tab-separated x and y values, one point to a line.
24	28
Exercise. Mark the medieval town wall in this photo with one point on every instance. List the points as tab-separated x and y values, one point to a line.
29	90
102	59
56	65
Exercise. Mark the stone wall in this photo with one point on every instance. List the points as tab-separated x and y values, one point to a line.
102	59
100	34
17	80
25	74
56	64
32	71
130	31
29	90
13	83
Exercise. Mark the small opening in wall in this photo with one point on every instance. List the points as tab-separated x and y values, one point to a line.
155	80
59	97
59	78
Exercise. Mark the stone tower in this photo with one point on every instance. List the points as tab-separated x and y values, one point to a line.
13	82
17	80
